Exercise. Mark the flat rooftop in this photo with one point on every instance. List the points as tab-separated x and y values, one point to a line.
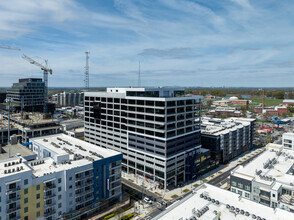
274	165
217	126
79	153
13	150
213	203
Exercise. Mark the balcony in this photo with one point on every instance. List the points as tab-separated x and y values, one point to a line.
14	209
15	189
13	199
47	205
49	187
51	212
49	196
14	218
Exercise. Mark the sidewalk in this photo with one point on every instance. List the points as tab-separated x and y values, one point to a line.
177	192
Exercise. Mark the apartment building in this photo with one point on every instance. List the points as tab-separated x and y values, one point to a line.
156	129
269	178
227	138
69	175
208	202
70	99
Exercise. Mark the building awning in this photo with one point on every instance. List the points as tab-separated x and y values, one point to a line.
27	144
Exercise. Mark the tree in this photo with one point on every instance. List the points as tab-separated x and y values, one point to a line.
203	92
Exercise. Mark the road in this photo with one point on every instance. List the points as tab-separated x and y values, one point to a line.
139	189
223	178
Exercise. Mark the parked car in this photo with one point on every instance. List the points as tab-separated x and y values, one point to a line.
147	200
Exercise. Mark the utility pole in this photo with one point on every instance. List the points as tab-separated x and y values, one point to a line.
87	71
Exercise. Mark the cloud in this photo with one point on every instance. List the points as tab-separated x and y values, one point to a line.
172	53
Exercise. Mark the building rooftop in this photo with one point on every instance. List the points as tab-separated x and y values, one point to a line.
68	152
13	150
208	202
217	126
274	165
139	93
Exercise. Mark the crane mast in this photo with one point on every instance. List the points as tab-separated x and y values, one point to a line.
46	70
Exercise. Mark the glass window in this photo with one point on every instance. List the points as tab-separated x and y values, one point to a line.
234	190
59	205
240	192
247	195
26	191
234	183
59	188
38	196
59	180
25	182
26	200
38	214
26	209
38	187
38	205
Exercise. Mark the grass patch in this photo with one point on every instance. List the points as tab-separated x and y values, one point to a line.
186	190
205	180
175	196
219	172
267	102
212	176
195	185
108	216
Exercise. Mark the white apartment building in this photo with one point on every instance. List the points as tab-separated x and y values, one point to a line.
269	178
208	202
68	175
156	129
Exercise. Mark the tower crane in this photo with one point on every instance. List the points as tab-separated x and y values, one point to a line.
46	70
9	48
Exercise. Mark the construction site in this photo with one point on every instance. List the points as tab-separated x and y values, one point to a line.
28	125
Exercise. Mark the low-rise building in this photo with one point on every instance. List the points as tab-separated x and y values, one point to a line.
69	175
269	178
227	138
208	202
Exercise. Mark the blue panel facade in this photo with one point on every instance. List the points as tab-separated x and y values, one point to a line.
101	170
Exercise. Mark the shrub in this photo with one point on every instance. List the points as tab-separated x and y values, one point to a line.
174	196
126	217
195	185
108	216
204	180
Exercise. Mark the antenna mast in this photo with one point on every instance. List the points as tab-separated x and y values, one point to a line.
87	71
139	76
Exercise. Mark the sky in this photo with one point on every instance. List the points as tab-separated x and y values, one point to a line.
239	43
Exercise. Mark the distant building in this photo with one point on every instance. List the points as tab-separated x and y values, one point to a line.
288	102
225	111
70	99
69	178
271	111
157	130
240	102
269	178
73	128
29	93
227	138
208	202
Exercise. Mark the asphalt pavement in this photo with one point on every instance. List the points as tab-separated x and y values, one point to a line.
223	178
